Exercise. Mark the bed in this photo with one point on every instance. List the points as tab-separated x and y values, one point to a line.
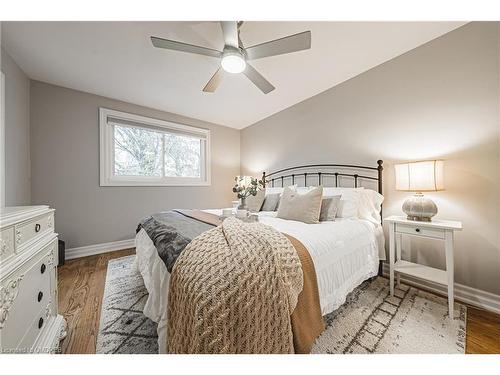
345	252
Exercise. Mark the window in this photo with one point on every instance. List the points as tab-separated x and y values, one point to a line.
141	151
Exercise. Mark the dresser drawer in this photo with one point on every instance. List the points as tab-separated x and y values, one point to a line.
6	242
34	228
421	231
36	326
24	294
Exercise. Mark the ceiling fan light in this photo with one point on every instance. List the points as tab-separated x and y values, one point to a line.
233	63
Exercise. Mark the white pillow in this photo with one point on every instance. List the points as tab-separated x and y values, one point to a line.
371	205
304	189
274	190
350	201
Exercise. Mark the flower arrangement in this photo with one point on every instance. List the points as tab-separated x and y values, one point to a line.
246	186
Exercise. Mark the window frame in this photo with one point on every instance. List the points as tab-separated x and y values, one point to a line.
107	150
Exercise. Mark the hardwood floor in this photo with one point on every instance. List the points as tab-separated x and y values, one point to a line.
81	287
483	332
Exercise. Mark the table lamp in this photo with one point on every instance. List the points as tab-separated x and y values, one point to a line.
420	176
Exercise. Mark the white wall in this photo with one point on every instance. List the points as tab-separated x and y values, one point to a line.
440	100
17	133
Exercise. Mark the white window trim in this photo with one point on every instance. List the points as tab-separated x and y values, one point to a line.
106	156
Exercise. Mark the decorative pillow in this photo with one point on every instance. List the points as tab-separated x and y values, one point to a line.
254	203
329	207
271	202
300	207
304	189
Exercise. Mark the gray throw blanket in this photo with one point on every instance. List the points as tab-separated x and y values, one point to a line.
171	232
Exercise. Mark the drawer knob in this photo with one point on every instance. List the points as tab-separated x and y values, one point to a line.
40	296
37	227
43	268
417	230
40	323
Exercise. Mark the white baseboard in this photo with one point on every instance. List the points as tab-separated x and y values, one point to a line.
463	293
101	248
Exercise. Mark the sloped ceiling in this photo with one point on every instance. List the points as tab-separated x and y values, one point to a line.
117	60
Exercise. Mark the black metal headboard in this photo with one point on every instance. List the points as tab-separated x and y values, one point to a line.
320	171
336	171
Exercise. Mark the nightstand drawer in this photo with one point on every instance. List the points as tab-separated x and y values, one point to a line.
420	231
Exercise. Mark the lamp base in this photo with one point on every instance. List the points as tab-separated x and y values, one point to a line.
419	208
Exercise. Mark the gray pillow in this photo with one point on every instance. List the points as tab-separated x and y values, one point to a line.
301	207
254	203
329	206
271	202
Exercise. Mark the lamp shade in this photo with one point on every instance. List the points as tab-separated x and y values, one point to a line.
420	176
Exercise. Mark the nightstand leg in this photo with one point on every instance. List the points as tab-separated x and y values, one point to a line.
449	270
398	256
391	258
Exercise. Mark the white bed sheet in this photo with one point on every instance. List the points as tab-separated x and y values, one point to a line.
345	252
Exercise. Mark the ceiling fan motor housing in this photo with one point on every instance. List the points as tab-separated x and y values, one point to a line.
233	59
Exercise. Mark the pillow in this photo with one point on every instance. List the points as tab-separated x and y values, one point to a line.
300	207
329	206
254	203
274	190
304	189
350	201
371	206
271	202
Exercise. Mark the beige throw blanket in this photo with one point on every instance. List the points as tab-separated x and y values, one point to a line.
307	322
232	290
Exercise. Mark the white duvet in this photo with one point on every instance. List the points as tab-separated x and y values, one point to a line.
345	252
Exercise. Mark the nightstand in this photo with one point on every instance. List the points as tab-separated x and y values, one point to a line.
441	230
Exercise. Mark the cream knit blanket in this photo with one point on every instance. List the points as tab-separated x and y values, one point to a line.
232	290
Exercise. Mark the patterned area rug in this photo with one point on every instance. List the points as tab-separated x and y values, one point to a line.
410	322
123	328
370	321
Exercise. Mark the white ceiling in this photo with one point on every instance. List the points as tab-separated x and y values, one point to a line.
117	60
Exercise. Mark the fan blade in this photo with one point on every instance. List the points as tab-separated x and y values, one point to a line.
184	47
230	31
258	80
214	82
288	44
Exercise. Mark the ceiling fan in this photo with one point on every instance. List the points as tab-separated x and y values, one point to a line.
234	57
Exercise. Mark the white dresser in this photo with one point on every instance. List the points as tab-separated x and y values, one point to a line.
29	322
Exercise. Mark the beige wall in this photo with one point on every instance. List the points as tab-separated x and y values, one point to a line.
17	133
440	100
65	168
